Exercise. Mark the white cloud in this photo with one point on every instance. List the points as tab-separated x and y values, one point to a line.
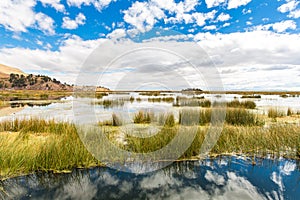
284	25
226	24
223	17
73	24
211	27
237	3
63	63
278	26
294	14
98	4
249	23
54	3
17	16
143	16
247	53
245	11
45	23
116	34
201	18
214	3
289	6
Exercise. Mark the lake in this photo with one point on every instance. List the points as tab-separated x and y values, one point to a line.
220	178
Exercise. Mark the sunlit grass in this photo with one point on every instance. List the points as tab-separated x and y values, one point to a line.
277	140
30	145
275	112
32	94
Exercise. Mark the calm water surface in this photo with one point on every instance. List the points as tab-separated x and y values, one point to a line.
220	178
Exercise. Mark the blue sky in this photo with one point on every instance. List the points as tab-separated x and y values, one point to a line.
254	44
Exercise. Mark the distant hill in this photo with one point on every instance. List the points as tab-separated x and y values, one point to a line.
5	71
13	78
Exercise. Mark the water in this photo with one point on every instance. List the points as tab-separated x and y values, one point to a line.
63	110
220	178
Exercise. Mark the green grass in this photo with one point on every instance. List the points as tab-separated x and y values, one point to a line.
191	102
167	120
234	116
277	140
242	104
107	103
30	145
162	99
32	95
143	117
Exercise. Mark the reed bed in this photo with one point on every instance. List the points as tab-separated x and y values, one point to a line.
162	99
192	102
242	104
275	112
107	103
32	145
235	116
277	140
9	95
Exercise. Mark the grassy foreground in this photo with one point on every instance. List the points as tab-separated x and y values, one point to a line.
31	145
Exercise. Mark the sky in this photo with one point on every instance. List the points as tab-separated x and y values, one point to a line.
250	44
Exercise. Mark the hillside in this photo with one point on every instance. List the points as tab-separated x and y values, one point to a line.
5	71
13	78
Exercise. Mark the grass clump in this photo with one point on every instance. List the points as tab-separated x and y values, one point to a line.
275	112
241	117
233	116
277	140
31	145
289	112
166	120
116	121
243	104
143	117
162	99
192	102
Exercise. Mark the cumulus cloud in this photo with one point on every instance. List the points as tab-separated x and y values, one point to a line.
210	27
73	24
54	3
201	18
237	3
214	3
279	27
66	60
17	16
243	55
143	15
223	17
289	6
256	50
98	4
45	23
